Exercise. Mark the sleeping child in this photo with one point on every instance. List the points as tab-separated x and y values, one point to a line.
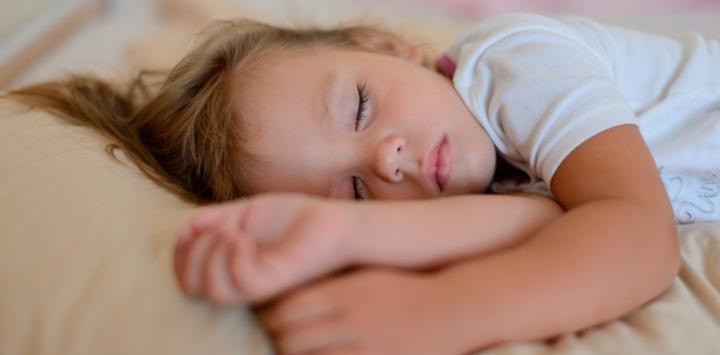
372	199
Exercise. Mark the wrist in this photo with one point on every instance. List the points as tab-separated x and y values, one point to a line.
358	233
340	217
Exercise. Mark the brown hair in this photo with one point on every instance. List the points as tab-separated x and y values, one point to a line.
183	136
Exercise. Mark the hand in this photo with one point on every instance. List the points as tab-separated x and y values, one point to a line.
370	311
249	250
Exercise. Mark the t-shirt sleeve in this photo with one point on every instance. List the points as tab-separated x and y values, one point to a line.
538	88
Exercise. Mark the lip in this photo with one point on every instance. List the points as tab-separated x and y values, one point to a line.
437	165
443	166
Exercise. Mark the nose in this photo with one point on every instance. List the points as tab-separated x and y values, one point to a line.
388	158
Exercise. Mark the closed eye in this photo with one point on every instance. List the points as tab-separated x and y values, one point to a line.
363	98
359	189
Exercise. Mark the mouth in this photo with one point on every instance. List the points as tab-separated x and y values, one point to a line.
437	166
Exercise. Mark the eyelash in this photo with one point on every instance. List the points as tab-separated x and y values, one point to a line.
363	99
359	190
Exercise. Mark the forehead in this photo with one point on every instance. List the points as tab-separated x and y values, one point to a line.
291	60
282	106
277	81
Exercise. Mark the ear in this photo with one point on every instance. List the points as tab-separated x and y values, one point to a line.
387	43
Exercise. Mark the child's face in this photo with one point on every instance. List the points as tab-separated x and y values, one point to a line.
301	108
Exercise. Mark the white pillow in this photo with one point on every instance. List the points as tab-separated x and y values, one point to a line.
85	253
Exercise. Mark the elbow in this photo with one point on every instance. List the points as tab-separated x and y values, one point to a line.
657	267
669	259
660	258
663	236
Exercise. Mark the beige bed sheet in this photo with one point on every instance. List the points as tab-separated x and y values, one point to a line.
85	250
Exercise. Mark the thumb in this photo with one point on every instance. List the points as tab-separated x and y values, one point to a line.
262	272
258	275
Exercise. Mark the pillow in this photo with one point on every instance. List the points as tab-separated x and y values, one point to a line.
85	265
85	253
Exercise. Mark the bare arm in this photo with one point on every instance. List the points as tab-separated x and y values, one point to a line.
250	250
615	249
434	232
578	272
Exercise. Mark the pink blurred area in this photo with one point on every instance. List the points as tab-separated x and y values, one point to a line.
483	8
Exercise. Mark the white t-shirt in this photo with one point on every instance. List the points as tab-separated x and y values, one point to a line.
541	86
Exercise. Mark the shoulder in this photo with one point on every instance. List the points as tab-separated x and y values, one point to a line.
507	26
501	44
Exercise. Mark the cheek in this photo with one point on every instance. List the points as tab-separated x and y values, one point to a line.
419	100
413	104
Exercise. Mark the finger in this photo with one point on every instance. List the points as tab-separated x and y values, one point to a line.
192	272
313	337
298	308
184	242
217	284
257	279
244	273
260	273
194	229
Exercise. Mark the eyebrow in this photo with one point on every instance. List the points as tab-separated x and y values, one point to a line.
326	91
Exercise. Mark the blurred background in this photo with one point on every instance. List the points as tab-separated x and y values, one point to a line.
42	39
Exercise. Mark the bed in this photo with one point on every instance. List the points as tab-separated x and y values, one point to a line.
86	242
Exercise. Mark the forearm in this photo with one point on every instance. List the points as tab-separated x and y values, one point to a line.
427	233
595	263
